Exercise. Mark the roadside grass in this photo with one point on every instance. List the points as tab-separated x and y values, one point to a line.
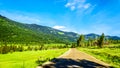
27	59
109	54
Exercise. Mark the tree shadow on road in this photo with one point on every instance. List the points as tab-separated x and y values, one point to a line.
70	63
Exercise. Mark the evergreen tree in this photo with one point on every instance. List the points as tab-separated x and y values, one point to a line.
80	41
101	40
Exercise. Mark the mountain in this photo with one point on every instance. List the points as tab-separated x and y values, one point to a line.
93	36
16	32
12	31
113	37
71	36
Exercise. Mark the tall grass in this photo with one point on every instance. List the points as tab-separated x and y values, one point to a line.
109	54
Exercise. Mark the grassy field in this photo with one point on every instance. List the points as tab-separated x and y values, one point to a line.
27	59
109	54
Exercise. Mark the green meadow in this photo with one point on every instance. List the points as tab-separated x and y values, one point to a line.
27	59
109	54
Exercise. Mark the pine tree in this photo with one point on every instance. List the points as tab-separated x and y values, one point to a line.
80	41
101	40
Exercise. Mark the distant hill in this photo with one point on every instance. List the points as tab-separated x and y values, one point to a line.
12	31
93	36
70	36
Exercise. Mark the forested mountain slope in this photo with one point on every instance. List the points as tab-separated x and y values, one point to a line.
11	31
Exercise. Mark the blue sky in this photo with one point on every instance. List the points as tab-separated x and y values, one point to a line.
81	16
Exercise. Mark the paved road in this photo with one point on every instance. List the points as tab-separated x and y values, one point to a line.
73	58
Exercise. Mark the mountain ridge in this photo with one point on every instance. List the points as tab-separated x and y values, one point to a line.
14	31
76	35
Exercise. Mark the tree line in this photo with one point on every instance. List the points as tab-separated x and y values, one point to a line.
4	49
99	42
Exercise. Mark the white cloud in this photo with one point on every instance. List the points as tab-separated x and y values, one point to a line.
77	4
29	18
86	6
59	27
68	4
65	28
72	7
20	17
26	19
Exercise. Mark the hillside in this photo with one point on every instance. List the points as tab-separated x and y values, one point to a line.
11	31
70	36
